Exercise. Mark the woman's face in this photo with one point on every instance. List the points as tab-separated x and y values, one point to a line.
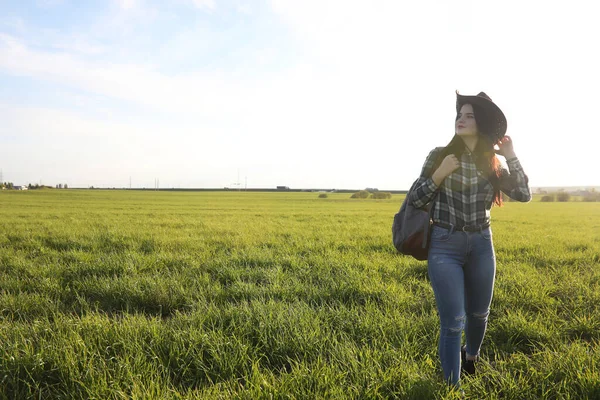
465	121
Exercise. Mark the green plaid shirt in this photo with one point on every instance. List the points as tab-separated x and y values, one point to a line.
465	197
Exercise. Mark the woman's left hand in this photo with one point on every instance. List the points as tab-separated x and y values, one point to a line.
505	147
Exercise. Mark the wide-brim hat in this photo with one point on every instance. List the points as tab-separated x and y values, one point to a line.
493	123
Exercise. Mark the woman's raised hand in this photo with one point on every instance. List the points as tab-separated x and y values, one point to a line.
505	147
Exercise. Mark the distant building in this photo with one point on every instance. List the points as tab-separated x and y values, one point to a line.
20	187
283	188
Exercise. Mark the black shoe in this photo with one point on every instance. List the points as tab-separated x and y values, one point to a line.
467	367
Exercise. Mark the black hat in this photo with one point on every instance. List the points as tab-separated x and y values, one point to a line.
493	123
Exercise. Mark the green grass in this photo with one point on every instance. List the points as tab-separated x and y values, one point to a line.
217	295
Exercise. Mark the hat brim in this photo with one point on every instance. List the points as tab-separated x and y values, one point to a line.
495	118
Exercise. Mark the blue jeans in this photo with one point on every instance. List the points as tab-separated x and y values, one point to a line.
461	267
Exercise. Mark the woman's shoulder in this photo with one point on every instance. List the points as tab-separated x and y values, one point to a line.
433	159
435	152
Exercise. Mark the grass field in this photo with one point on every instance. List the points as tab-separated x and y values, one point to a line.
217	295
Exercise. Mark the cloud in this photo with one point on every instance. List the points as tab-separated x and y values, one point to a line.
78	44
13	23
266	104
204	93
209	4
127	4
244	8
49	3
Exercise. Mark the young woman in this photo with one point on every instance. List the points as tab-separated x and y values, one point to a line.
463	180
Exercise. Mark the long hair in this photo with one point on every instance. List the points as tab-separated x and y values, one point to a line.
485	156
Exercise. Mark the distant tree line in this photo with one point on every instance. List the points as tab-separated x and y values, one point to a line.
38	186
562	196
366	194
31	186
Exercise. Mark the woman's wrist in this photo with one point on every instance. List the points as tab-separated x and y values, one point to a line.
437	177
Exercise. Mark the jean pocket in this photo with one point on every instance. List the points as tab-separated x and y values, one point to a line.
440	234
487	233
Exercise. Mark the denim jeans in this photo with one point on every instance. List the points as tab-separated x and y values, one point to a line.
461	267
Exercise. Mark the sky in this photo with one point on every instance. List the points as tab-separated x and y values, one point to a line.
300	93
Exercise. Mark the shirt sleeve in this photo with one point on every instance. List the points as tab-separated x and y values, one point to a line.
424	189
514	182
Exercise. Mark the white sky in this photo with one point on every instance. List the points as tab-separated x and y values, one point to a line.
307	94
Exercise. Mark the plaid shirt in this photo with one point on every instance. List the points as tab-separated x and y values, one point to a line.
465	197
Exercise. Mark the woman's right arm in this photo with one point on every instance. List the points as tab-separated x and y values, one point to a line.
425	188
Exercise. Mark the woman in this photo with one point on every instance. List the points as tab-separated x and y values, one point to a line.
464	180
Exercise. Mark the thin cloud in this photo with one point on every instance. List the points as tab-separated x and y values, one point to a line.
13	23
49	3
204	93
127	4
78	44
209	4
244	9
